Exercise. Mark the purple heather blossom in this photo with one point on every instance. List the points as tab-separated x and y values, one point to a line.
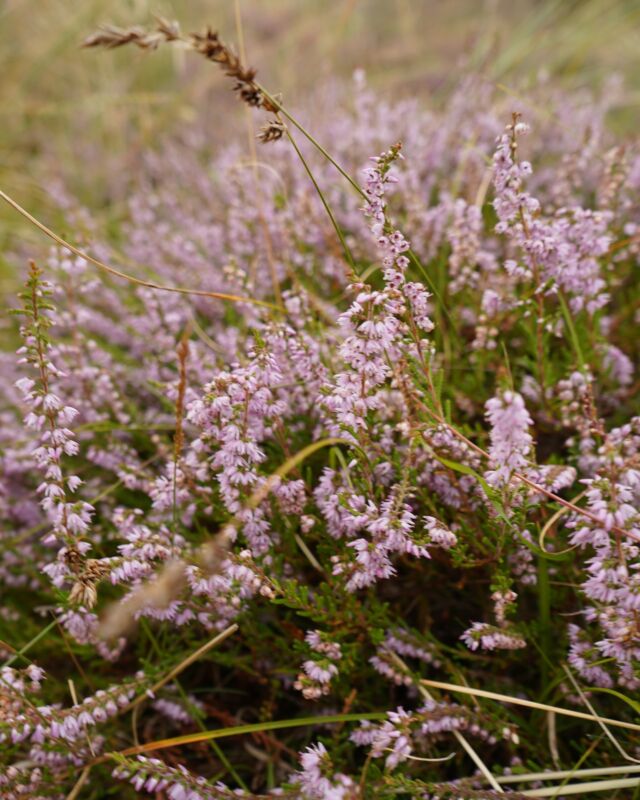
403	643
116	459
402	732
489	637
318	671
559	252
511	441
152	775
317	780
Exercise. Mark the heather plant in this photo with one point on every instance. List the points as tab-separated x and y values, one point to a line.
332	491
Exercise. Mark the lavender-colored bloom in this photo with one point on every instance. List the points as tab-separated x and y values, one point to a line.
490	637
317	780
511	441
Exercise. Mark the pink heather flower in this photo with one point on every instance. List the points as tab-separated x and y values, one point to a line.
489	637
317	641
154	776
618	365
511	441
316	778
319	673
561	250
439	534
90	412
175	711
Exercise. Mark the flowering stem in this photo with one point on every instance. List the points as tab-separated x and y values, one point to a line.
551	495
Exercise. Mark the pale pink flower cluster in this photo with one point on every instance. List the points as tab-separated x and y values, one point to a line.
511	442
402	732
558	252
153	776
238	410
317	672
316	778
490	637
403	643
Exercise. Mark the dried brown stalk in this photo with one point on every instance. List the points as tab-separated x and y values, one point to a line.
208	44
183	355
168	584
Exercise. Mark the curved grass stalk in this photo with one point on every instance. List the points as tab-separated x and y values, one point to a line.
552	521
125	276
598	718
186	662
282	110
239	730
326	205
291	463
77	788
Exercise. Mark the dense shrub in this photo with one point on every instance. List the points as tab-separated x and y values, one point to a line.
409	450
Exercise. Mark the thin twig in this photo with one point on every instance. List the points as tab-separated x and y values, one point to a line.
73	794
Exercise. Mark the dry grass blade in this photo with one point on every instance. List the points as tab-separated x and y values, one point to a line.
159	592
130	278
462	741
599	719
183	665
240	730
567	773
75	792
427	760
518	701
553	738
119	617
584	788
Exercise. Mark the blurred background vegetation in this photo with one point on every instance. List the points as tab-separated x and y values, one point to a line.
82	115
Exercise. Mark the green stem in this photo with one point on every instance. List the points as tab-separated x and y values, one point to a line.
197	715
314	142
544	617
354	184
573	334
256	727
327	208
29	645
